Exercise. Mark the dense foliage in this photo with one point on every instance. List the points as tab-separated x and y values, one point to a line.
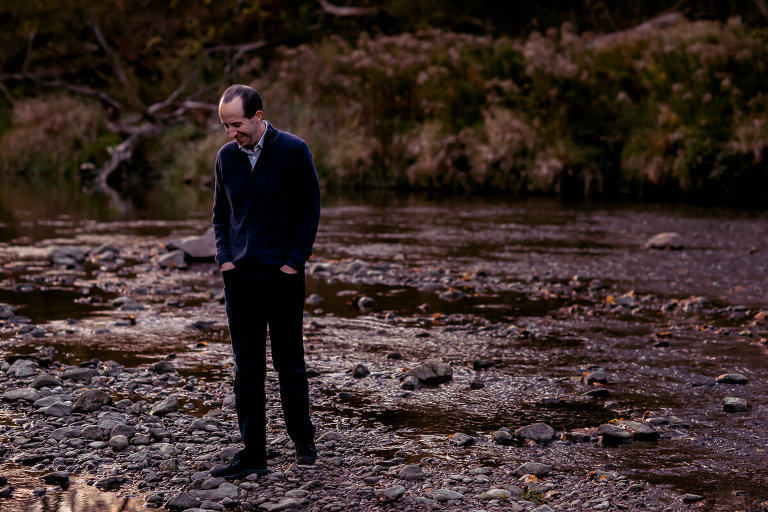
431	94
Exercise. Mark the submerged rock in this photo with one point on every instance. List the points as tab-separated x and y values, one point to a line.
611	435
735	404
731	378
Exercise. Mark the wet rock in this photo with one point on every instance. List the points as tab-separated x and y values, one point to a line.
495	494
731	378
104	253
60	478
6	491
22	368
170	404
735	404
578	436
363	303
461	439
476	384
285	504
447	495
481	364
91	400
393	493
58	410
595	377
163	366
314	299
639	430
182	501
502	436
67	256
118	442
533	468
45	381
196	248
173	259
452	295
360	371
7	311
430	373
668	240
223	491
395	356
411	472
111	483
410	383
611	435
546	508
598	394
539	432
26	394
79	374
692	498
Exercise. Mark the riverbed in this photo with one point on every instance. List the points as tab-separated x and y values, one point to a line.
524	300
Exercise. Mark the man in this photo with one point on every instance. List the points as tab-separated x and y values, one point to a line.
266	210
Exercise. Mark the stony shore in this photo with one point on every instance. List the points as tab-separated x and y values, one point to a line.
410	408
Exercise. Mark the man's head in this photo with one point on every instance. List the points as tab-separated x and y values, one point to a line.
240	113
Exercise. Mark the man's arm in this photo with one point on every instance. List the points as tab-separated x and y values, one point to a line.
308	202
220	220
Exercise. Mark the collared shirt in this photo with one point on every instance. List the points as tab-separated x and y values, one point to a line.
253	154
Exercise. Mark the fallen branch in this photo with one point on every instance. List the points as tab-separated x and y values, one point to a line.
79	89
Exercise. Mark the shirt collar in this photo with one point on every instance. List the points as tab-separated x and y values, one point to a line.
259	144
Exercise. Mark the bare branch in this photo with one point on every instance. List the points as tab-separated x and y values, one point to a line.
336	10
30	42
163	104
79	89
110	53
763	7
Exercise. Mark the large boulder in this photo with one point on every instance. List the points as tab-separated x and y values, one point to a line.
91	400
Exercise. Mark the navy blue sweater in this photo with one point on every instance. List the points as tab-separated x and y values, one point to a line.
266	217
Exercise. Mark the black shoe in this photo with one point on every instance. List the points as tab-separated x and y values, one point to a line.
306	453
239	468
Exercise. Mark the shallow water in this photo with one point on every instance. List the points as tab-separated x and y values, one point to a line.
528	252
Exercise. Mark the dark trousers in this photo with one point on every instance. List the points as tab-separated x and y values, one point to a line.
256	301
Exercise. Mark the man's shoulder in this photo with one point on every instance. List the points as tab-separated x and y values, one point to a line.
228	149
287	139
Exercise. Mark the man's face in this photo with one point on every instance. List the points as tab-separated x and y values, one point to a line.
246	132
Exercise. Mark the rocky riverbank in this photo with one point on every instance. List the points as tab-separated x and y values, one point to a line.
463	383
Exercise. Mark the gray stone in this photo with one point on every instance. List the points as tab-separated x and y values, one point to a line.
91	400
173	259
314	299
79	374
121	429
118	443
170	404
91	432
539	432
410	383
360	371
57	478
495	494
332	436
735	404
447	494
163	366
45	381
612	434
434	372
596	377
182	501
393	493
731	378
22	368
26	394
640	430
284	504
57	410
223	491
461	440
536	469
502	437
669	240
7	311
196	248
411	472
692	498
111	483
67	255
542	508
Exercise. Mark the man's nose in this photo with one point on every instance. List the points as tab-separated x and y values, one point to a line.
231	132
